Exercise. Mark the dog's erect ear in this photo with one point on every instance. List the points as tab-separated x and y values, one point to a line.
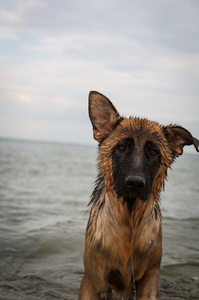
178	137
103	115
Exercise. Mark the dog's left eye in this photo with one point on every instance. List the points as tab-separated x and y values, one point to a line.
122	147
153	152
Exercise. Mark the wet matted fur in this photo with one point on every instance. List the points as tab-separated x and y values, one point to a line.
123	244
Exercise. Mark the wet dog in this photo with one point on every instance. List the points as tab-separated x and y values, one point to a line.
123	244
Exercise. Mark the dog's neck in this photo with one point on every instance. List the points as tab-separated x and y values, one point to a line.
132	210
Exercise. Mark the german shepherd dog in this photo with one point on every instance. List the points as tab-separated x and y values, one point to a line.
123	244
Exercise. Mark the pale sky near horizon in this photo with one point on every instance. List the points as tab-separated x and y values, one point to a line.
143	55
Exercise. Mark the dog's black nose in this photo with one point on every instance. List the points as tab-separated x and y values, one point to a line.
135	182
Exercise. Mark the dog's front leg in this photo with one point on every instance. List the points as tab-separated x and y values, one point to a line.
87	290
147	286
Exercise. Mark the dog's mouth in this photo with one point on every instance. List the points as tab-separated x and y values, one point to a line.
133	196
130	200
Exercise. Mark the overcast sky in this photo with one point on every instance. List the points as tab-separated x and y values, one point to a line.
142	54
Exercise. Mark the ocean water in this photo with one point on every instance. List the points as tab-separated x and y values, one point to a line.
44	192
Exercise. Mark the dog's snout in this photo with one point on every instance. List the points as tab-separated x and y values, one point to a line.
135	182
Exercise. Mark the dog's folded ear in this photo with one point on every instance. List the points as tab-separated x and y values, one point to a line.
178	137
103	115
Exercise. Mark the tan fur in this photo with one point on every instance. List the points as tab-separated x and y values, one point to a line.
129	244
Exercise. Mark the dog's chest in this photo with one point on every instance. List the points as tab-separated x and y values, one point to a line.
147	247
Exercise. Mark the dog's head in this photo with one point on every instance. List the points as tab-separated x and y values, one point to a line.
134	153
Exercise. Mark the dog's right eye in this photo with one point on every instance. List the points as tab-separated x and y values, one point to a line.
122	147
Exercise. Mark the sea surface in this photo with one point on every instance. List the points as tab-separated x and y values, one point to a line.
44	192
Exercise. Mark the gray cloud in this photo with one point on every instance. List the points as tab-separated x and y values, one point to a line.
142	54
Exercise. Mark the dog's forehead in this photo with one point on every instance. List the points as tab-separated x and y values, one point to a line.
137	128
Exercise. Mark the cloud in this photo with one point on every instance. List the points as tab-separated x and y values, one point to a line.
142	54
17	94
9	17
61	131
